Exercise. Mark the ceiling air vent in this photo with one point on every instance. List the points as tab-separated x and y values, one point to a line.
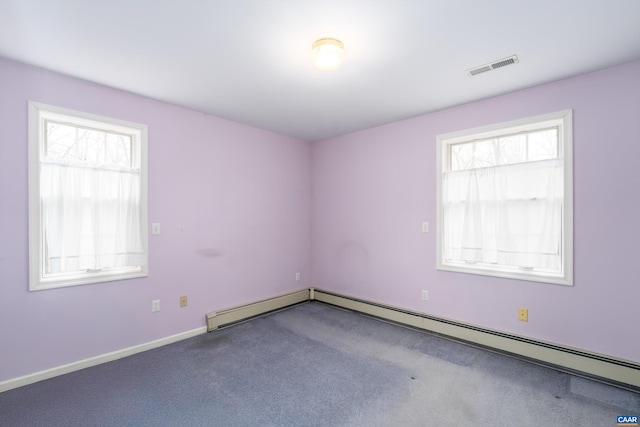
497	64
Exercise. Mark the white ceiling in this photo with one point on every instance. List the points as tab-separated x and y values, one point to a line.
249	60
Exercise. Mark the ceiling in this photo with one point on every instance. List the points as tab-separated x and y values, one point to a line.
249	60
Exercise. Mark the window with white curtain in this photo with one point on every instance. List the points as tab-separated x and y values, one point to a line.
505	200
87	198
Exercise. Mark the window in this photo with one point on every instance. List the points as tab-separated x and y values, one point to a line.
87	198
505	200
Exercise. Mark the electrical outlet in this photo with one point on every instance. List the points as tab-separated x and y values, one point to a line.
425	295
297	277
155	305
523	314
184	301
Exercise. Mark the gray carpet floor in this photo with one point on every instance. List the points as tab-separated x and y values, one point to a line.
317	365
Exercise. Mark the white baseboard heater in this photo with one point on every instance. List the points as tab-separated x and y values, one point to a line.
618	372
232	315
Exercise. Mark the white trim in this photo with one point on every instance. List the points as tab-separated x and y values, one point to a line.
37	111
564	120
97	360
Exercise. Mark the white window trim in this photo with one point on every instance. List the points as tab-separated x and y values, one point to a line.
563	119
36	281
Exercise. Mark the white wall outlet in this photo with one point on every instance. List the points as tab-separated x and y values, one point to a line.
425	295
425	227
155	228
297	277
155	305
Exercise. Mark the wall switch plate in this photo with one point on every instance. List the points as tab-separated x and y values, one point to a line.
425	227
523	314
297	277
425	295
155	228
155	305
184	301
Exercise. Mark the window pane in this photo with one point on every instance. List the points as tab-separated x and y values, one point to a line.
461	157
78	145
505	150
543	145
485	154
513	149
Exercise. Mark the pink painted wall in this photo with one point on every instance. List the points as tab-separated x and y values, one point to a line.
372	190
234	207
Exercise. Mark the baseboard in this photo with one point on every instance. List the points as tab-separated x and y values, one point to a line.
214	321
618	372
228	316
97	360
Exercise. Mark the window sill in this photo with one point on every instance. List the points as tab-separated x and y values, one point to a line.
508	273
85	279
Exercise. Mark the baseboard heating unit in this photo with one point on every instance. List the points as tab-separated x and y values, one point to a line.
610	370
233	315
614	371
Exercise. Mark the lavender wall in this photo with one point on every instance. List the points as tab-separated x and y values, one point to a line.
234	207
372	190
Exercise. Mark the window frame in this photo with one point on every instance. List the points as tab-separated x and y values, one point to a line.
38	115
564	121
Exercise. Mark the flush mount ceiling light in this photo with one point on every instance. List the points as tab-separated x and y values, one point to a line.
327	54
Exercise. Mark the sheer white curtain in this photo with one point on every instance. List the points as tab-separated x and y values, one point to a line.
90	218
507	215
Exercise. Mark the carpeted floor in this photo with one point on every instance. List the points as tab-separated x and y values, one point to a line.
316	365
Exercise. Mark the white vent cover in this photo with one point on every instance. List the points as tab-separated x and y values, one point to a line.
492	66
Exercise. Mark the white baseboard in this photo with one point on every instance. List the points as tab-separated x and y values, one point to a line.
93	361
214	320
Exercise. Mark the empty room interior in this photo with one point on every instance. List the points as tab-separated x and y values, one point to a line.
279	212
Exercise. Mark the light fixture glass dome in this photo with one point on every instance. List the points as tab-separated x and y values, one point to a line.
327	54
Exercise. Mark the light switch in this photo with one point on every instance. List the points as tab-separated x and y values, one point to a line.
155	228
425	227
